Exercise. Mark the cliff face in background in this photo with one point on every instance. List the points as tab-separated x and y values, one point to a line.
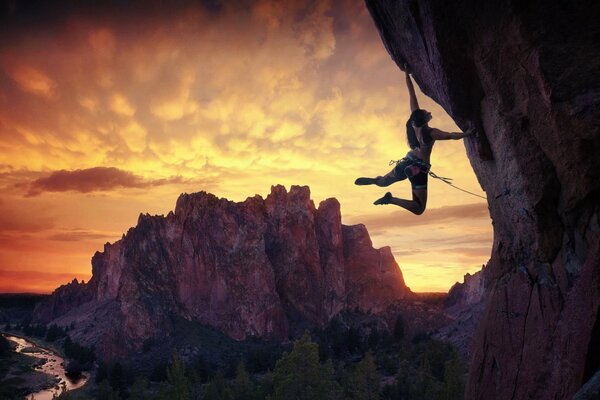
527	75
464	306
267	268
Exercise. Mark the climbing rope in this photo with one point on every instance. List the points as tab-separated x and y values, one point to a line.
447	180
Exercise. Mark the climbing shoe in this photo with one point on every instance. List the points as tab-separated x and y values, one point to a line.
386	199
364	181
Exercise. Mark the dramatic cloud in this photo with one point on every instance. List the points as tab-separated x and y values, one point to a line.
92	180
227	97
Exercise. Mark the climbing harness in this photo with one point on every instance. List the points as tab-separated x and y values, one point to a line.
434	175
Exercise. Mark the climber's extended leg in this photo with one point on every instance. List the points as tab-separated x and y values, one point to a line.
382	181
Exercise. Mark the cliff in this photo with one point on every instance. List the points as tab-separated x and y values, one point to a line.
463	307
265	268
527	76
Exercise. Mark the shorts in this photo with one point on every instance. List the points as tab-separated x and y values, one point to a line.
415	170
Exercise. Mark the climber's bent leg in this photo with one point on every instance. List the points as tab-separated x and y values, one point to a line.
416	205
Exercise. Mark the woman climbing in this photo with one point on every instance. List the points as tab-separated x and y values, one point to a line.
415	166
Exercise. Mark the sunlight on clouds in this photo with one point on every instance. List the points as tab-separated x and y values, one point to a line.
89	104
287	130
34	81
176	104
119	105
134	136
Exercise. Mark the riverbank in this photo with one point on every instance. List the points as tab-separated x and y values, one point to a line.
37	367
19	377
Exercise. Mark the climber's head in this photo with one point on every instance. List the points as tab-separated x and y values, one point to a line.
420	117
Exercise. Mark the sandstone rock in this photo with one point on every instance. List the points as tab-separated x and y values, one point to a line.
266	268
527	76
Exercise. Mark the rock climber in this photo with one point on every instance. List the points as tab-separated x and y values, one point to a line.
415	166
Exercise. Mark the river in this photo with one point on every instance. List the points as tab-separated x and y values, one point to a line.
54	366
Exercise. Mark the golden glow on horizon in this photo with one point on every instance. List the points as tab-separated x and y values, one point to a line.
229	101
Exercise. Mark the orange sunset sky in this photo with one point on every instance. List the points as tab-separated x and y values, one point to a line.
112	111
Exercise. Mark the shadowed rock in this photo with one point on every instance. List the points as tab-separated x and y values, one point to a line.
527	76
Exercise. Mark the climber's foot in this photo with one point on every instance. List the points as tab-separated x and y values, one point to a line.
365	181
386	199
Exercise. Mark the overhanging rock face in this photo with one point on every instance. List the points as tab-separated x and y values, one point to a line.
527	75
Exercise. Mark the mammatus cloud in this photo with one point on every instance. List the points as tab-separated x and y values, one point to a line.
93	180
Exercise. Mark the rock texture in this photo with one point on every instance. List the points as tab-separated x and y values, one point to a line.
267	268
469	292
464	307
527	75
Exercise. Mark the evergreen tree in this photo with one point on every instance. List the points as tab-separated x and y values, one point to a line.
243	388
177	379
453	379
365	380
399	328
106	392
217	389
299	376
139	389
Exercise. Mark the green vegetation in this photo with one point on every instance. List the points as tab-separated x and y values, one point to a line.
346	361
299	375
421	369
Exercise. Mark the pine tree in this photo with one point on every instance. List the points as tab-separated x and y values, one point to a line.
177	379
139	389
217	389
365	379
243	388
299	376
453	379
106	392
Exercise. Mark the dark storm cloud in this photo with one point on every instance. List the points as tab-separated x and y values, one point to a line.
92	180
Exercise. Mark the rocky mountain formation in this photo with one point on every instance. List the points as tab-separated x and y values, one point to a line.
268	268
527	76
463	307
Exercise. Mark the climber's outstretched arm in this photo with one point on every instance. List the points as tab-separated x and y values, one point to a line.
414	104
438	134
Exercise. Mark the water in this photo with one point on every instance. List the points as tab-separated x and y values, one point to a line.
54	366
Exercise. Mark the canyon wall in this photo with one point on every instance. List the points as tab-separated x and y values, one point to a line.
527	76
